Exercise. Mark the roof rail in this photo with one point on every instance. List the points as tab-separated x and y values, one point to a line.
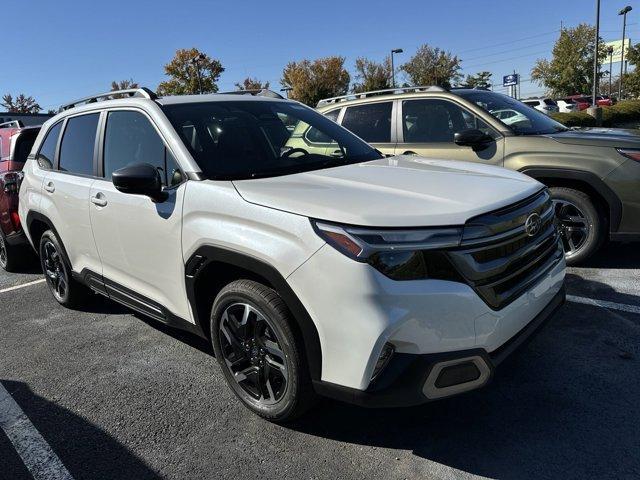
257	92
12	124
130	92
397	90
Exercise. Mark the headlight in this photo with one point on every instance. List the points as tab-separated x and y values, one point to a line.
400	254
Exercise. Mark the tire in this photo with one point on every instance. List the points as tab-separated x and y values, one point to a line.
582	224
57	272
258	352
10	258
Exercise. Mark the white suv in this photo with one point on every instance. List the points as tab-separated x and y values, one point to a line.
314	264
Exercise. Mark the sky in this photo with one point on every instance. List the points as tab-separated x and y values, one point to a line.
68	49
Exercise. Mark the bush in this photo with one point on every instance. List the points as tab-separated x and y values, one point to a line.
619	114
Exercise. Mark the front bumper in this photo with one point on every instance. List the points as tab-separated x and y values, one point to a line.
411	379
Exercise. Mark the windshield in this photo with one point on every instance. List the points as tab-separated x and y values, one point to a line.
521	118
251	139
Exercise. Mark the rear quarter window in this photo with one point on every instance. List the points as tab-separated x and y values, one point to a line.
45	156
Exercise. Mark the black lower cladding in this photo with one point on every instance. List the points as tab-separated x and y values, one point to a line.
16	239
400	383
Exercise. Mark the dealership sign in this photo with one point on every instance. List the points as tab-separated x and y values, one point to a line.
510	80
616	56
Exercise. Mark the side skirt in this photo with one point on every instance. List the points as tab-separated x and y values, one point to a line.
135	301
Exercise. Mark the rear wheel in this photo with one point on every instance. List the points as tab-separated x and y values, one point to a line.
57	272
258	351
8	255
582	226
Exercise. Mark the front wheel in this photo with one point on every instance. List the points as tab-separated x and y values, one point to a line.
581	225
9	256
258	351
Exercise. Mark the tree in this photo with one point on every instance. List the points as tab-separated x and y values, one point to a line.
252	84
123	85
372	75
432	66
21	104
570	71
631	80
479	80
312	81
191	71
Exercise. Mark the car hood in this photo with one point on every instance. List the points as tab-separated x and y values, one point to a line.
601	137
402	191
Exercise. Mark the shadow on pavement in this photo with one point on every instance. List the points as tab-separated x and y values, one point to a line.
86	450
584	287
615	255
563	407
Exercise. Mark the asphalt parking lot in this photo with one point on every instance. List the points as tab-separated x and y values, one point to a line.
116	395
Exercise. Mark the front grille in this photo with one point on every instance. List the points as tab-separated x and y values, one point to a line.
499	259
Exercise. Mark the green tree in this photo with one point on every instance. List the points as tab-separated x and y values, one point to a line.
631	80
21	104
188	70
479	80
570	71
371	75
432	66
312	81
252	84
123	85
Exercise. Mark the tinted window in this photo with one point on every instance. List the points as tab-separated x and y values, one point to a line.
436	121
130	138
333	114
24	143
48	149
78	141
249	139
370	122
548	101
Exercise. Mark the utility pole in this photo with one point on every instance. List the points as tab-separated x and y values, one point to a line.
610	52
594	92
393	70
623	12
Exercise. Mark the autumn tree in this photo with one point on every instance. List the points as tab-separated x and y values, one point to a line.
191	71
371	75
250	83
123	85
21	104
570	70
432	66
631	80
311	81
479	80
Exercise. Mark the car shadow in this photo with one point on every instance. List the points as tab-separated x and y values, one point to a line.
615	255
565	406
85	449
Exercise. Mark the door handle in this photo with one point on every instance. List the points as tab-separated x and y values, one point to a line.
50	187
99	200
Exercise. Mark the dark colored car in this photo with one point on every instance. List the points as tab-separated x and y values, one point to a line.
16	141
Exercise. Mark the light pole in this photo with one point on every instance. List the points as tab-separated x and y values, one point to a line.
623	12
594	92
393	70
195	60
286	90
610	52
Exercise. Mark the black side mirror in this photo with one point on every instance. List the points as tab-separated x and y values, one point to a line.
476	139
140	179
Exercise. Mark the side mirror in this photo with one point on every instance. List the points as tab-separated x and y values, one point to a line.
476	139
140	179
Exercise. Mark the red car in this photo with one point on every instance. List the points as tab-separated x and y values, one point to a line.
604	101
16	141
582	101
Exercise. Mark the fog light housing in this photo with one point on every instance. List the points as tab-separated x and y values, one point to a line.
457	374
383	359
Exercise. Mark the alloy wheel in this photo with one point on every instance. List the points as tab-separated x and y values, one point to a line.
573	225
3	253
54	270
252	352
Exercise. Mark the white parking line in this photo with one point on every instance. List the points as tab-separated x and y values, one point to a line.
35	452
22	285
622	307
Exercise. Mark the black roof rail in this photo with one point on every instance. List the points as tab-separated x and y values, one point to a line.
258	92
386	91
130	92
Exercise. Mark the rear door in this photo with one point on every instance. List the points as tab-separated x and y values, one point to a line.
427	127
66	188
373	123
139	240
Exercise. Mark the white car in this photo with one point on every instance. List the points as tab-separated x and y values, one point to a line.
313	264
545	105
511	117
566	106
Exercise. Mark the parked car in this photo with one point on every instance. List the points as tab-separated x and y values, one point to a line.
545	105
314	264
582	101
16	141
567	106
604	101
592	174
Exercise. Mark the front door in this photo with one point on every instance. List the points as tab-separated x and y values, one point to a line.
139	241
372	123
428	129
